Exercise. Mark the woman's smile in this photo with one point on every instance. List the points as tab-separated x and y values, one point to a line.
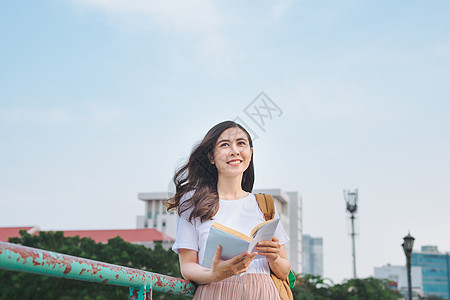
235	162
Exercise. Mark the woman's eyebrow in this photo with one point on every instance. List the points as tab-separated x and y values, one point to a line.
241	139
238	139
222	141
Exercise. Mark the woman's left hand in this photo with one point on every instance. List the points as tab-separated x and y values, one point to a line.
269	249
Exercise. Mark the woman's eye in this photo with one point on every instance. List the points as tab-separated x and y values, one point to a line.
224	144
242	143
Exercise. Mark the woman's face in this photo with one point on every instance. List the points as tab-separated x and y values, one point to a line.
232	152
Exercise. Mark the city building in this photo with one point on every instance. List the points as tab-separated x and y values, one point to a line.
147	237
398	274
156	215
435	271
10	232
288	205
312	255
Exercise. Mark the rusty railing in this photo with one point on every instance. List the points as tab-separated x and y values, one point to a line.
141	283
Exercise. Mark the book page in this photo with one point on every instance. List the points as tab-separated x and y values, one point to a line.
258	227
265	233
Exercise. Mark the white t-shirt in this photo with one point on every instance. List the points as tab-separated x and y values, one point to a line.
241	215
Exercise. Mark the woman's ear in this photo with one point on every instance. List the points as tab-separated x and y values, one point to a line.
211	158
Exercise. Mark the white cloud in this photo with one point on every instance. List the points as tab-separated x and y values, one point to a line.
198	16
282	7
105	114
442	50
200	22
37	115
87	114
339	98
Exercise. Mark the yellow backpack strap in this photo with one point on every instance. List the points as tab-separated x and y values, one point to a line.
266	205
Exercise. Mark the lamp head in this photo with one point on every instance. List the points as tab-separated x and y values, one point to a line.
408	243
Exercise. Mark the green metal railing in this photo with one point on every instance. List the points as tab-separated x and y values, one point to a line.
141	283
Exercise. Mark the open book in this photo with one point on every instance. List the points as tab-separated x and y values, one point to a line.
234	242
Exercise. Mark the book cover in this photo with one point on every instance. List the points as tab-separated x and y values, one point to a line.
234	242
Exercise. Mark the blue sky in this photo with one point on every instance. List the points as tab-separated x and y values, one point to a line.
102	99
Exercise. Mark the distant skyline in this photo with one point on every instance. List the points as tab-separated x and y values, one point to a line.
101	100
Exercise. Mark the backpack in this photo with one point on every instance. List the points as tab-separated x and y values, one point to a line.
267	206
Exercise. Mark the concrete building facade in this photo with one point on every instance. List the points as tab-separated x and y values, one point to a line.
156	215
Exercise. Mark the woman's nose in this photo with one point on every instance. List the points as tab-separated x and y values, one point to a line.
234	149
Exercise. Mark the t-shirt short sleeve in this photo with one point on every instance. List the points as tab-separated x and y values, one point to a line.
280	234
187	237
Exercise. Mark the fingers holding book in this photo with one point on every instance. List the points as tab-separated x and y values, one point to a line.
222	269
269	249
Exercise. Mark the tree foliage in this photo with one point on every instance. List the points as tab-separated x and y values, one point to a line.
18	285
310	287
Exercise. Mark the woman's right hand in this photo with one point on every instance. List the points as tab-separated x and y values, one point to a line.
221	269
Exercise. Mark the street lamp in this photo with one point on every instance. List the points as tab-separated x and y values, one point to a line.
351	199
408	242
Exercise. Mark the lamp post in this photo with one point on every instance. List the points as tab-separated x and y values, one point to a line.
351	198
408	242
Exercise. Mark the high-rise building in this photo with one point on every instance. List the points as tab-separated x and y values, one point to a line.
435	271
312	255
288	205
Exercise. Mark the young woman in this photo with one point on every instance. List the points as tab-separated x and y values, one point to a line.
216	185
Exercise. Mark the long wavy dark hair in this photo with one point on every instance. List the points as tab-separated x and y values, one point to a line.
200	175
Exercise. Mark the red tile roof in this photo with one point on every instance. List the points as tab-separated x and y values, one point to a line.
129	235
7	232
100	236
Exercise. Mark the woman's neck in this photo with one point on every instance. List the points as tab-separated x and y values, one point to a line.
230	188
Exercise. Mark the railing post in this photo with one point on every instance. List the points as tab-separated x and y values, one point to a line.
140	293
149	293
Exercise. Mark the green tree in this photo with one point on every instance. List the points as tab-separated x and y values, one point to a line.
363	289
310	287
18	285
